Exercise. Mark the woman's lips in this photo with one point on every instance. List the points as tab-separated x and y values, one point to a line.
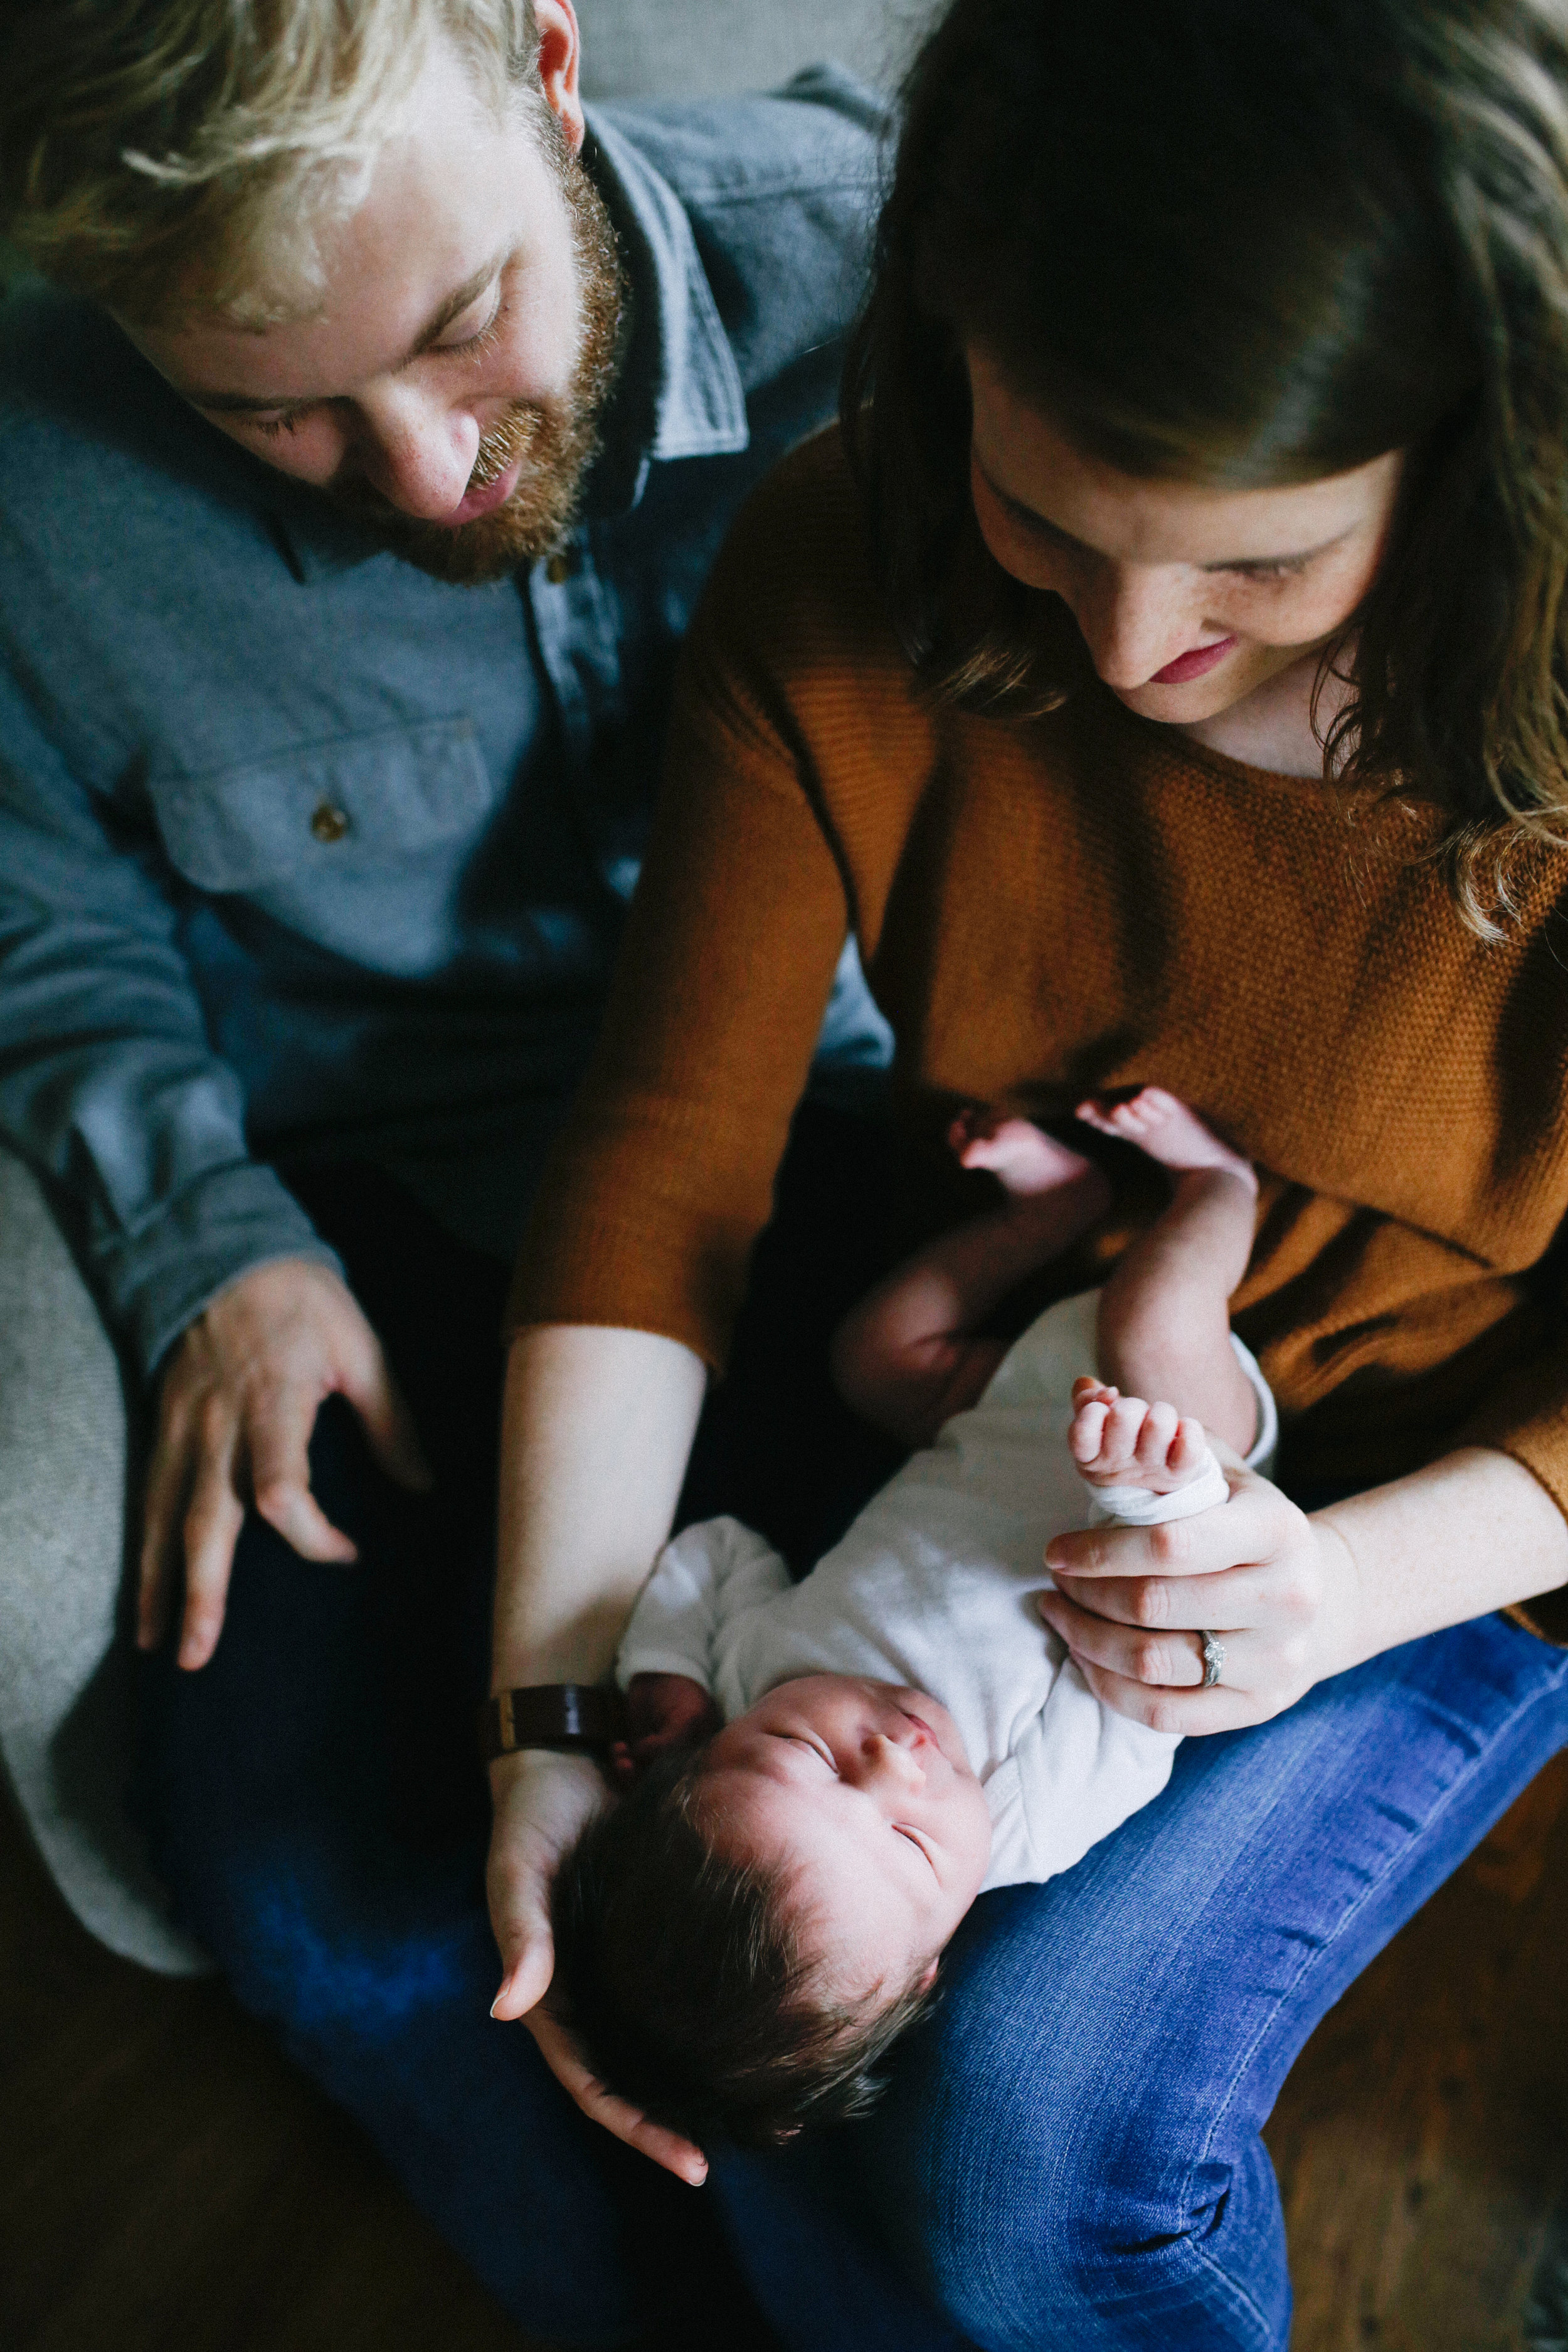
1196	663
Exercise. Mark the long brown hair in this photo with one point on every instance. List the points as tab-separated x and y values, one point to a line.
1254	246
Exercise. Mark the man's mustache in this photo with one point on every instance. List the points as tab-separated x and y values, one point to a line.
500	448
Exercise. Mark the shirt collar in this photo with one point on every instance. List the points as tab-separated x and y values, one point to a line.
678	394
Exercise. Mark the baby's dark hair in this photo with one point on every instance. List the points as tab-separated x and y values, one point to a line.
682	1974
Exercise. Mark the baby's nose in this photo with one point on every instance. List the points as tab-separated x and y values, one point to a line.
889	1756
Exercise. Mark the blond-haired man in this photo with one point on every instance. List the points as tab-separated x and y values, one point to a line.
361	460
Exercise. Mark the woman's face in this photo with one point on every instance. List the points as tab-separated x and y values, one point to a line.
1189	599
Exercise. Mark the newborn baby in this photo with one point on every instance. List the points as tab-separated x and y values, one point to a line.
739	1942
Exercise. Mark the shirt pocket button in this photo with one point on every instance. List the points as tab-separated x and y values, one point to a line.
329	824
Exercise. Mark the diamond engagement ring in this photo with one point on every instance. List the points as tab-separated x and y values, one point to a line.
1214	1659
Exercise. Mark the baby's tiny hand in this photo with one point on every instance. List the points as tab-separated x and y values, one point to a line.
663	1711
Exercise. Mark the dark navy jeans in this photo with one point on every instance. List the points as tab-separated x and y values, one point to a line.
1070	2154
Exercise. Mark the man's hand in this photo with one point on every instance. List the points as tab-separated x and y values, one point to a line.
239	1398
541	1802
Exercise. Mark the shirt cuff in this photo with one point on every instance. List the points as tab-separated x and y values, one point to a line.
157	1280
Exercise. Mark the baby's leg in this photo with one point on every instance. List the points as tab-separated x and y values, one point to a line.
908	1356
1164	1317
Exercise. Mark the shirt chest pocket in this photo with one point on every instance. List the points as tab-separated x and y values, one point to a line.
357	802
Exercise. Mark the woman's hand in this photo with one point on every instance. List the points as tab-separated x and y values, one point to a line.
541	1803
1278	1589
238	1401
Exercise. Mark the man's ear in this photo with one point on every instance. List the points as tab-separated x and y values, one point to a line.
560	58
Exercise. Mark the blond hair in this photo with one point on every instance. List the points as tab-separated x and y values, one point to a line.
171	155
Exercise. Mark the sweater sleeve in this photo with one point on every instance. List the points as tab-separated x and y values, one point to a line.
1528	1419
662	1177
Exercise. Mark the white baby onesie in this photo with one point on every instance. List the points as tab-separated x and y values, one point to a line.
932	1587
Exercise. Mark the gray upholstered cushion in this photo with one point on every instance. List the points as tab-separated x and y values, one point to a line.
65	1685
674	49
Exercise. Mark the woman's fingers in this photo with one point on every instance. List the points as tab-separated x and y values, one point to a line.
1188	1714
572	2070
1255	1524
1164	1604
1173	1658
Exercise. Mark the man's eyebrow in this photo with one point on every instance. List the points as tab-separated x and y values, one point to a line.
229	403
1053	531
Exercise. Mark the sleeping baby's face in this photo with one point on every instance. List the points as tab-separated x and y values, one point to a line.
863	1794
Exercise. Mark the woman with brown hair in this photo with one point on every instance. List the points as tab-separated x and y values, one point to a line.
1163	677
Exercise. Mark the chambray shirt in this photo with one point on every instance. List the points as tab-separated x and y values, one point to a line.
303	853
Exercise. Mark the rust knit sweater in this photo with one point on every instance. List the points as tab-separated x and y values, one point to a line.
1048	907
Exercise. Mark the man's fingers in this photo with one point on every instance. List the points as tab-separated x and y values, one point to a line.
211	1523
278	1441
389	1425
629	2123
168	1478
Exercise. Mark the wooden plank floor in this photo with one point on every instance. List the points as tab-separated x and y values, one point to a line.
168	2184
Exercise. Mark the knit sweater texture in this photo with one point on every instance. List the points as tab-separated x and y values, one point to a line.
1072	904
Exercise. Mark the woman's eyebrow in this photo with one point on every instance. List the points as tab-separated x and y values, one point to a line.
1034	522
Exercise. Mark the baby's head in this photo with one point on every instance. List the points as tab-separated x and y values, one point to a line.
739	1943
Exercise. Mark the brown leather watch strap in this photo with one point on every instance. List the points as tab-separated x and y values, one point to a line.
580	1718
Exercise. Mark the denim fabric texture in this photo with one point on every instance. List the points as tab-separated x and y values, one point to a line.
1068	2154
198	657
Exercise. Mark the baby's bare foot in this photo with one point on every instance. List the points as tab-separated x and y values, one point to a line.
1168	1131
1120	1441
1023	1158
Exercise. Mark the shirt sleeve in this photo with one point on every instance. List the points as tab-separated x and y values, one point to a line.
107	1083
663	1176
709	1575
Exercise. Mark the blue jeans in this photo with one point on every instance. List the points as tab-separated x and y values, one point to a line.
1070	2154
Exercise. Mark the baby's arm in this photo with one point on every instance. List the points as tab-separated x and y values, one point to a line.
910	1355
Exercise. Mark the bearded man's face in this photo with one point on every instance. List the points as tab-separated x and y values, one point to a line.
446	390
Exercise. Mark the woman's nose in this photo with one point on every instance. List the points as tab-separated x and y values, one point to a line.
1134	618
418	451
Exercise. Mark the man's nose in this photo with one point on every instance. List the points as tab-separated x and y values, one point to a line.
1136	617
418	451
